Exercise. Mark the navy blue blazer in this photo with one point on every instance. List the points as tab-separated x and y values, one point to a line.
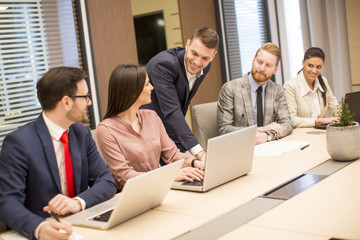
29	176
171	96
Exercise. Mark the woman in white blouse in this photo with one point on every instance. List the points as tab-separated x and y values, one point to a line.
308	95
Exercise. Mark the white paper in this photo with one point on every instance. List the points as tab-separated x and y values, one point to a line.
75	236
15	236
276	148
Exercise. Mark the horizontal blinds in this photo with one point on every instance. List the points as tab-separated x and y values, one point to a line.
34	37
245	26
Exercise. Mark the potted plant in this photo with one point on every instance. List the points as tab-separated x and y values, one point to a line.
343	137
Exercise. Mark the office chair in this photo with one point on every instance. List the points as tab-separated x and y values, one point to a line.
2	227
93	133
204	118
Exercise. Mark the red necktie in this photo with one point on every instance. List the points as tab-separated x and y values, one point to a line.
68	166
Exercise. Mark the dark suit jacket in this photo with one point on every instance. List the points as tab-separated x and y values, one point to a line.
171	96
235	106
29	176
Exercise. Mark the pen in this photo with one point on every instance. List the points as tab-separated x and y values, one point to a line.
305	147
57	219
54	216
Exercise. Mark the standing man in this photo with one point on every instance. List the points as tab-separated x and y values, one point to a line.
53	164
176	75
253	99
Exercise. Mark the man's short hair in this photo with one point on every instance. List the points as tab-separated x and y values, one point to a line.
207	36
57	83
271	48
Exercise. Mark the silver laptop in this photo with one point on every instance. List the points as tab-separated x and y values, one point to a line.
229	156
139	194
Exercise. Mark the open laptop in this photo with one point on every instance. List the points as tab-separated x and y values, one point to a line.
229	156
353	100
138	195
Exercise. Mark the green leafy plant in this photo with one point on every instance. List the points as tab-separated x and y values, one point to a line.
346	117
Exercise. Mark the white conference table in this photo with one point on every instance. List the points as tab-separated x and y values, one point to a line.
183	211
329	209
251	232
267	173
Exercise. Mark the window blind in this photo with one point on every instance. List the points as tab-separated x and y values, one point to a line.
245	27
35	36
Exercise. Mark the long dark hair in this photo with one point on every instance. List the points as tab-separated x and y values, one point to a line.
317	52
125	85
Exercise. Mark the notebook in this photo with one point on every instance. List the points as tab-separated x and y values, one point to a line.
138	195
229	156
353	100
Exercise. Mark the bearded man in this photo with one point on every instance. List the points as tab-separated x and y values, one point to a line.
254	100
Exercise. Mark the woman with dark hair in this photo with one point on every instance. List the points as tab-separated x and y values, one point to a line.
133	140
308	95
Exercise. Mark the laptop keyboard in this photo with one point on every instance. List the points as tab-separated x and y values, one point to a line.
194	183
104	217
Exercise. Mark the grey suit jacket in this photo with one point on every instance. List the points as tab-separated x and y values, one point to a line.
235	106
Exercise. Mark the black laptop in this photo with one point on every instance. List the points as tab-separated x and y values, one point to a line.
353	100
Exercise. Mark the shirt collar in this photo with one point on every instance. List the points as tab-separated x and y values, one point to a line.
304	87
55	131
189	75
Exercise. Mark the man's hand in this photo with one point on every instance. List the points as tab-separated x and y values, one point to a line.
261	137
201	159
189	174
272	126
201	155
55	230
199	164
62	205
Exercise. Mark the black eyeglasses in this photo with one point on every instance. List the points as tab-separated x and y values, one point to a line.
87	97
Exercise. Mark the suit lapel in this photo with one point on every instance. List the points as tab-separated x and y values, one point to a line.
199	81
181	57
246	94
48	146
195	87
76	159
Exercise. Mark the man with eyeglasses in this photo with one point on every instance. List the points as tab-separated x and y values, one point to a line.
52	164
253	99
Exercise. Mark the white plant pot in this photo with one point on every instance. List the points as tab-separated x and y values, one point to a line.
343	143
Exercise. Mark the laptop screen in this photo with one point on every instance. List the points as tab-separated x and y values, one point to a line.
353	100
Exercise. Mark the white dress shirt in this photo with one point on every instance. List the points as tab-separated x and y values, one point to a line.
56	133
311	97
192	79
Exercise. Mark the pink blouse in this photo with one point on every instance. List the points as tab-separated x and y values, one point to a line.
128	153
